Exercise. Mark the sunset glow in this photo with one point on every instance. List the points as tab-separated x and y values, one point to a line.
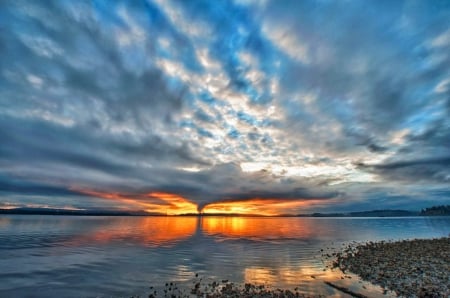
175	204
265	207
155	202
157	231
164	231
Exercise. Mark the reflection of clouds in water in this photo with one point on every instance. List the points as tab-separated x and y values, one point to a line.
90	252
441	224
4	221
182	273
282	274
259	228
306	277
168	231
147	231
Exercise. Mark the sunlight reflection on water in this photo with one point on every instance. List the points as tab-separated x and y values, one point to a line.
123	256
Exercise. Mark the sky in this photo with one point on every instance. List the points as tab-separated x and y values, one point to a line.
262	107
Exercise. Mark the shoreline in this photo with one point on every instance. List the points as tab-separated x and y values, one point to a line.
406	268
403	268
411	268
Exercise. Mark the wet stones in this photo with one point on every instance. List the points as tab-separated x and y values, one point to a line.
411	268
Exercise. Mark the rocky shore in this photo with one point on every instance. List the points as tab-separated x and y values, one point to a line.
225	288
410	268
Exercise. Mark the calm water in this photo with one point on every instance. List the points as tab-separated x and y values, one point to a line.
70	256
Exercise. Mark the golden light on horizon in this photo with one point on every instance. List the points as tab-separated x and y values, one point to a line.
258	206
154	202
175	204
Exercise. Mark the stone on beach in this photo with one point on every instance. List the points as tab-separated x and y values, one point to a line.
411	268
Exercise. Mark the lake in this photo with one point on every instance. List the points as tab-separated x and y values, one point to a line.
83	256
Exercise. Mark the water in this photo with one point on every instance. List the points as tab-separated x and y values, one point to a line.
71	256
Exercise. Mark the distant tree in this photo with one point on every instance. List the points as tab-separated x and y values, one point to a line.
436	210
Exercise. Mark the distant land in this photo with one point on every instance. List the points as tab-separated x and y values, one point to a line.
55	211
443	210
371	213
436	210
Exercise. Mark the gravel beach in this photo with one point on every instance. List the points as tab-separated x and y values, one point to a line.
227	289
410	268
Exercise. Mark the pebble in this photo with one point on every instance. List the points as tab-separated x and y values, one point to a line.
410	268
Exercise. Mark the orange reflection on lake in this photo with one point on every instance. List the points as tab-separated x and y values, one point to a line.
166	230
150	231
283	275
309	277
287	275
258	228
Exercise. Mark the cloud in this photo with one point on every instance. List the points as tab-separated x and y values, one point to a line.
434	169
178	97
16	186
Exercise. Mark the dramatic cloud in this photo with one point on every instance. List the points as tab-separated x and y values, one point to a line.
188	105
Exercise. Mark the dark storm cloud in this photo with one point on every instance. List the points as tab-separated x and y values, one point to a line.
429	169
435	135
424	157
376	148
17	186
444	161
362	139
27	141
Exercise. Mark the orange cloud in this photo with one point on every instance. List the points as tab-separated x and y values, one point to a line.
257	206
175	204
154	202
